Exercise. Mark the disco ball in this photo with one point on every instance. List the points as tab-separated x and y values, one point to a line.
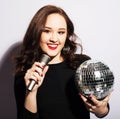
94	77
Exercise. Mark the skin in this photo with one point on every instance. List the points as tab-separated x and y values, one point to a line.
54	36
98	107
52	41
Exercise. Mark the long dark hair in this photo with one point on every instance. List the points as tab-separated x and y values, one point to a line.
31	51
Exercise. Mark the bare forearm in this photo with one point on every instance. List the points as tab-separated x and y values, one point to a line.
30	102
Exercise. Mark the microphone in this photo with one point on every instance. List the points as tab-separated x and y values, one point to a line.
44	60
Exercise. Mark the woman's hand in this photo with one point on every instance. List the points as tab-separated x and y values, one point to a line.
36	72
98	107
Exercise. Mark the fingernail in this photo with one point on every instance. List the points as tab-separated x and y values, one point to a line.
41	75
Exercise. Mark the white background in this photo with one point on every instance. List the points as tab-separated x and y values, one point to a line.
97	23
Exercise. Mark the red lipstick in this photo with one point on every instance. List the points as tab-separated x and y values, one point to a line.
52	46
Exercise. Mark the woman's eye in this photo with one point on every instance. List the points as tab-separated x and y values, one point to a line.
61	32
46	31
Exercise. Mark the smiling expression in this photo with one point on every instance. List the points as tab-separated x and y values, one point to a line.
54	35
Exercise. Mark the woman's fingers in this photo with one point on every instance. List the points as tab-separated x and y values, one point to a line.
94	105
36	72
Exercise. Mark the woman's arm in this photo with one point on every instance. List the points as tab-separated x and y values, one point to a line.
31	102
99	107
26	100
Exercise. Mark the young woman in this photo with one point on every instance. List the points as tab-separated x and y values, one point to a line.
55	95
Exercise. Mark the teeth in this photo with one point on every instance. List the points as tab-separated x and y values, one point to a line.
53	45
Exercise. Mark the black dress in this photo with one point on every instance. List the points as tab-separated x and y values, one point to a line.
57	98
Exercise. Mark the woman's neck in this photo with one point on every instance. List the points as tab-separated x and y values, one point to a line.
56	60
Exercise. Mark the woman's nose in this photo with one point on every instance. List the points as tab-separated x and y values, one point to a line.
54	37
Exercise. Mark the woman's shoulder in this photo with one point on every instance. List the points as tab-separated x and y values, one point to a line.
79	59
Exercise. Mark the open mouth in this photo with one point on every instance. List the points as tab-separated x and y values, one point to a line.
52	46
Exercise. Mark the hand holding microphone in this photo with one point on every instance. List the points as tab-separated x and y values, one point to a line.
44	61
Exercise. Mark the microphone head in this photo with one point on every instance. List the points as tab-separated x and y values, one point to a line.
45	59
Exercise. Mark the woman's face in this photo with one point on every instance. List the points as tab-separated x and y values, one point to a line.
54	35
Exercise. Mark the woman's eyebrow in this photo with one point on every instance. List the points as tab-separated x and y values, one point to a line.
58	28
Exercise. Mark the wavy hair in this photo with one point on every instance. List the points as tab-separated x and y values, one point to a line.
31	51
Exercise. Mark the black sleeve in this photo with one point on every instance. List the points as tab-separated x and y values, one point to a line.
80	58
29	115
20	92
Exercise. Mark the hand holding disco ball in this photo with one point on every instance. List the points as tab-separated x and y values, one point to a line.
94	77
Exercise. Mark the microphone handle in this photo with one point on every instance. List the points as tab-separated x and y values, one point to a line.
44	60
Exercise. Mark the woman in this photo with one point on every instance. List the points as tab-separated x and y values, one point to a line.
55	95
